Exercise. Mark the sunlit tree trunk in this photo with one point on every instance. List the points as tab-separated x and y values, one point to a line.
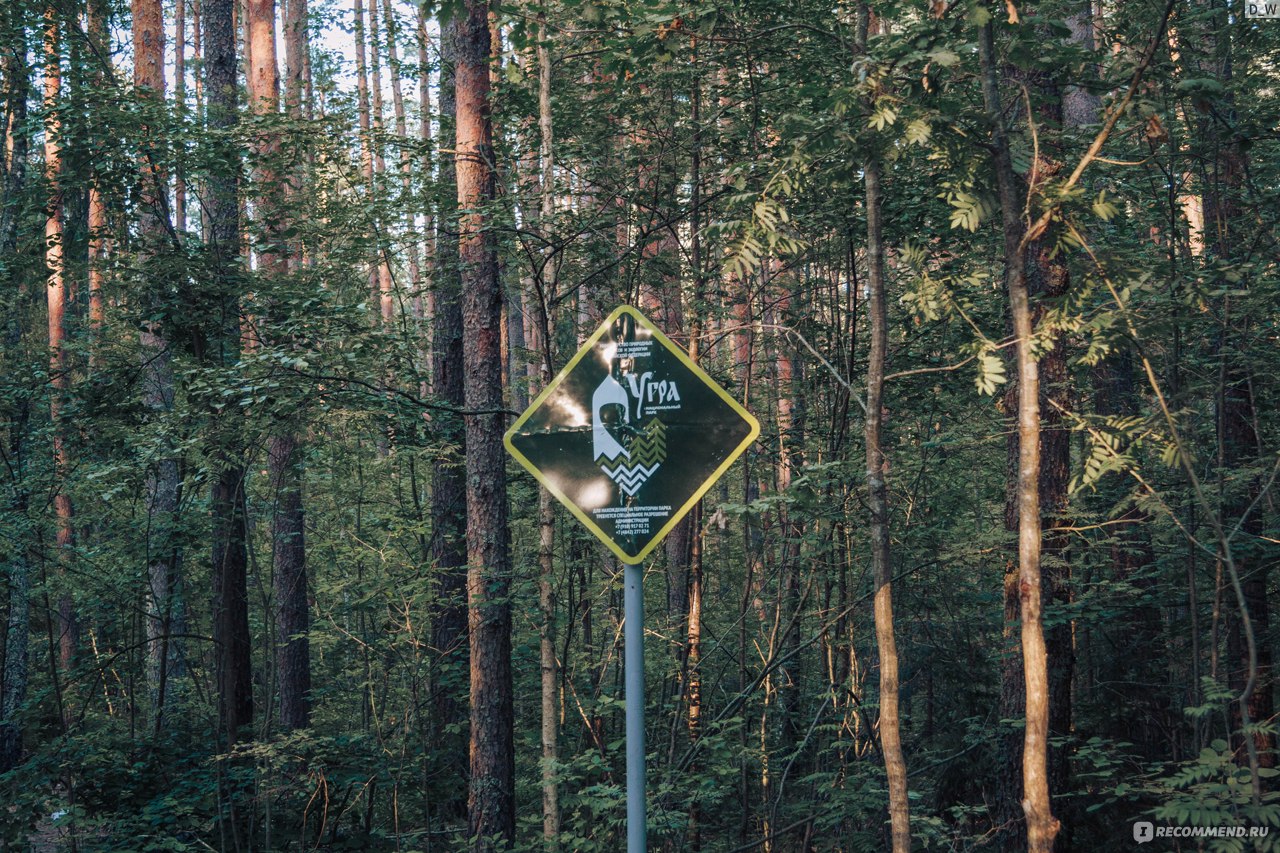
56	293
180	99
165	608
448	484
96	12
421	295
491	802
895	764
1041	825
386	293
693	642
366	133
406	158
878	503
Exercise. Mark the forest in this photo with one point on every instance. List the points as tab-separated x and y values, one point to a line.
1000	282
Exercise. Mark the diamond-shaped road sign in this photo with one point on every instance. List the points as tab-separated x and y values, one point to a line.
630	434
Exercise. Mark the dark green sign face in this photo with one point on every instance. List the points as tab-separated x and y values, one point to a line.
630	434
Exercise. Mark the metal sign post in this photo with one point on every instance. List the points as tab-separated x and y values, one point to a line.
633	651
629	437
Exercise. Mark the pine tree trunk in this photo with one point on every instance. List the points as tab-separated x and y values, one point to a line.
165	615
56	293
96	26
406	158
180	98
285	461
230	556
293	616
423	286
366	134
284	456
386	292
448	484
491	801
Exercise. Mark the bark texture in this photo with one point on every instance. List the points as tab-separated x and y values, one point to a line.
449	485
1041	825
878	502
230	557
491	802
163	486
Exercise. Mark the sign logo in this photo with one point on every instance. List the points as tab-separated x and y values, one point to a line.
1143	831
631	434
628	454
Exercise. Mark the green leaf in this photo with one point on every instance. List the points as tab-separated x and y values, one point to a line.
945	58
918	132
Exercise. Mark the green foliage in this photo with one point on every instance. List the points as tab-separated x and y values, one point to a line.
790	110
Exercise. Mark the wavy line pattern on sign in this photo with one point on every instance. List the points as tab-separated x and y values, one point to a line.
629	477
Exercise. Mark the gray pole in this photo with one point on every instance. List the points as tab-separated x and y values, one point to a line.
633	616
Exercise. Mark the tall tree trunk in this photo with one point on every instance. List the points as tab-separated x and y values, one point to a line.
222	230
789	379
693	660
878	503
492	794
296	49
165	609
1226	218
895	764
422	202
448	484
386	292
406	157
96	13
546	513
284	457
293	616
180	99
1041	825
56	293
366	133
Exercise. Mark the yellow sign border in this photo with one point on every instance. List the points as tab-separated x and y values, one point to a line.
679	514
